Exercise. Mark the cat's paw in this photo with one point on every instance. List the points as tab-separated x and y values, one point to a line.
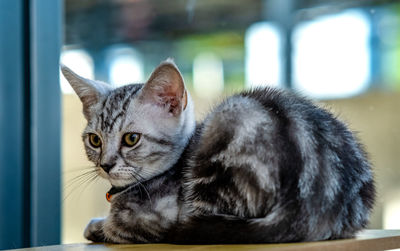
94	230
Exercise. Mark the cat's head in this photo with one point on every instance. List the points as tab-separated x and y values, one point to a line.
137	131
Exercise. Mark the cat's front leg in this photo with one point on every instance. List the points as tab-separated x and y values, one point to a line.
94	230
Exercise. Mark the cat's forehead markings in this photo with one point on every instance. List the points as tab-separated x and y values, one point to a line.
128	125
115	106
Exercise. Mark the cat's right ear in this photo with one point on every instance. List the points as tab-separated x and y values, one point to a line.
88	91
166	88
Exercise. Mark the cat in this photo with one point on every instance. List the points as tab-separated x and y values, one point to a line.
264	166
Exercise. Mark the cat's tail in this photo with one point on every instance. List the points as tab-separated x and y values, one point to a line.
223	229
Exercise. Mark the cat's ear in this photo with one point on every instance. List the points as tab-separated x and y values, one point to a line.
166	88
88	91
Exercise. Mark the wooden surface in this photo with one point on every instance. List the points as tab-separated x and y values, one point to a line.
367	240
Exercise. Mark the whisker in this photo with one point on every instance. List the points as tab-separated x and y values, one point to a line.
89	182
84	178
77	178
146	172
86	171
77	169
79	184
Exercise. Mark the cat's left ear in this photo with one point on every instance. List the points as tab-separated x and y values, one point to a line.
166	88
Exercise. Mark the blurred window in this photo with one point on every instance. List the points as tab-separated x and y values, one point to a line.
125	65
208	75
263	43
80	62
388	37
332	55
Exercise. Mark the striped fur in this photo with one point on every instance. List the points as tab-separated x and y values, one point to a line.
264	166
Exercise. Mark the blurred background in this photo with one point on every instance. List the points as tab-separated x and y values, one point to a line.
345	54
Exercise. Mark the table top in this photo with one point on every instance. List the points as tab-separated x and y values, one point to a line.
366	240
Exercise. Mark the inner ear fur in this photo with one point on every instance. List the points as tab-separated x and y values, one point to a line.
166	88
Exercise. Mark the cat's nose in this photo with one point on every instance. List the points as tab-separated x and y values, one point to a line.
107	166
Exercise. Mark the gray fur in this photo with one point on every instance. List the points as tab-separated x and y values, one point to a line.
264	166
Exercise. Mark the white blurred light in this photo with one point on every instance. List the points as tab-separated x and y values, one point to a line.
126	66
80	62
391	213
208	75
332	55
263	43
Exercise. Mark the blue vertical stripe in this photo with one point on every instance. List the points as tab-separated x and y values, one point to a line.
11	124
30	176
46	110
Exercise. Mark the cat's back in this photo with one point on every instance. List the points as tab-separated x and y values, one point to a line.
242	148
273	154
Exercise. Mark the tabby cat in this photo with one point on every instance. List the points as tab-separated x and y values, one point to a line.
264	166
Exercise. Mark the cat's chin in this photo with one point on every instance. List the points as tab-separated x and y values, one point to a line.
121	182
118	179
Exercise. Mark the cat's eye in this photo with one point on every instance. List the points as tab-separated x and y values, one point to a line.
94	140
130	139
